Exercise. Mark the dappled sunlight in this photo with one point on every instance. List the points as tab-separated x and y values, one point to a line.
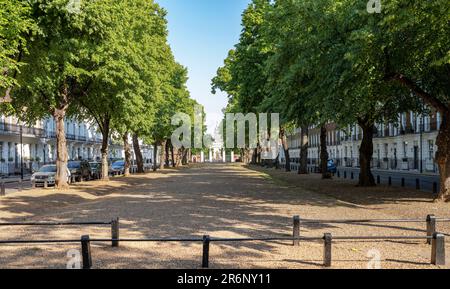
221	200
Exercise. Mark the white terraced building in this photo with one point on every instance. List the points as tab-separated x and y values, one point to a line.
408	145
38	144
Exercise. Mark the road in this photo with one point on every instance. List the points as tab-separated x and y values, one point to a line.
427	182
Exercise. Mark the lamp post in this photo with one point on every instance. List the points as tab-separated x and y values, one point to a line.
21	152
421	130
24	110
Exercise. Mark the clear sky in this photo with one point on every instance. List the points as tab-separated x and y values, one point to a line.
201	32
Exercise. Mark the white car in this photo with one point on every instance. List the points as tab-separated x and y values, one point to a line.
46	173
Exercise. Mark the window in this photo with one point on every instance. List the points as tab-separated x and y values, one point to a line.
10	152
430	149
403	120
438	120
427	124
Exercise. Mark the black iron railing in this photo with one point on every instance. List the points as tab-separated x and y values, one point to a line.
437	240
16	130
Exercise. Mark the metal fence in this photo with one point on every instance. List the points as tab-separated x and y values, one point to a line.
114	223
436	239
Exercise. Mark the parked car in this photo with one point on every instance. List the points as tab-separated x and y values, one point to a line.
331	167
80	170
96	170
118	168
47	173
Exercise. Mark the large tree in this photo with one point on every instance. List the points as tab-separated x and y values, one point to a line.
327	54
416	46
55	73
175	99
16	27
243	75
128	62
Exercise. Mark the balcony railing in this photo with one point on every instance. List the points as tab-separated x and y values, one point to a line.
70	136
52	135
15	129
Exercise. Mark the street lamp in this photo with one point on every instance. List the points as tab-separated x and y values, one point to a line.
421	129
21	152
24	110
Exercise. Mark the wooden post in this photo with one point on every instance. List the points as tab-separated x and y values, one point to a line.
431	227
327	240
20	185
86	252
296	231
115	232
438	250
33	184
205	257
45	184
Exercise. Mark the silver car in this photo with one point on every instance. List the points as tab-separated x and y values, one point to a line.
46	173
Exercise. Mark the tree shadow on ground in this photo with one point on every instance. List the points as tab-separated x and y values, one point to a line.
346	190
222	201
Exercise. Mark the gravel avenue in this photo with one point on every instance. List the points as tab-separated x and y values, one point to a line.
221	200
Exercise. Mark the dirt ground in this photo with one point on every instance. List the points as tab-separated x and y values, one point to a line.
221	200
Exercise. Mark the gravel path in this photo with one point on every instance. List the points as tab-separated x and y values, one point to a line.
222	201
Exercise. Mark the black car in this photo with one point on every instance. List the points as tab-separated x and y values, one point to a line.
80	170
96	170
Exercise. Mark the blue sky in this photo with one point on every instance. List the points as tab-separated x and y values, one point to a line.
201	32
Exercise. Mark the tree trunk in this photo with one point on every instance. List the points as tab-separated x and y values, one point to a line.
277	161
255	156
163	154
167	154
366	178
155	156
138	154
172	155
104	149
61	178
179	158
127	150
303	168
258	158
443	158
285	149
324	153
184	160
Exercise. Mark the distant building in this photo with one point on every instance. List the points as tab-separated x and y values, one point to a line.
39	144
407	145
